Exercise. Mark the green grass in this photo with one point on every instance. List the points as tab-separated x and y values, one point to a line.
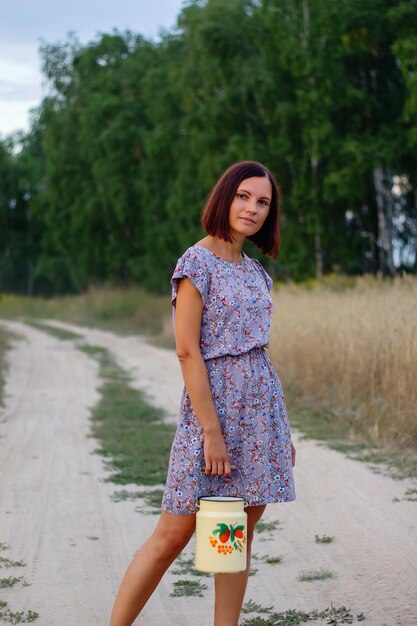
188	588
186	566
332	615
6	614
4	343
323	539
4	562
123	310
398	464
151	497
410	495
59	333
273	560
336	432
133	438
262	526
251	607
16	617
10	581
321	574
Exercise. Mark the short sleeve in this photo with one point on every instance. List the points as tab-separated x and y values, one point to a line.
191	266
266	276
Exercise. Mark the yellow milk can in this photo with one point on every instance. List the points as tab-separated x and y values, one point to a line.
221	529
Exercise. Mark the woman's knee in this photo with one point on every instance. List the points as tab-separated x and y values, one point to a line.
168	546
168	540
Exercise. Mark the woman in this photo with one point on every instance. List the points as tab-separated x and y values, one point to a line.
233	436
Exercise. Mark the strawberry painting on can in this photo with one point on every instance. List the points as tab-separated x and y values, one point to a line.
221	527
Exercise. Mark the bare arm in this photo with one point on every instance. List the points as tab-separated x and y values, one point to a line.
189	308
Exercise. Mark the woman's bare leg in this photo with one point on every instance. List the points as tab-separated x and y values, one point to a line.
169	538
230	588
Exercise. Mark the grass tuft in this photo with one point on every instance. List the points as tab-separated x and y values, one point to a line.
323	539
10	563
186	566
253	607
152	498
332	615
321	574
6	614
16	617
262	526
410	495
9	582
273	560
187	588
5	337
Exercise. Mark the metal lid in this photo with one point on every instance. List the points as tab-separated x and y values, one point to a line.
222	499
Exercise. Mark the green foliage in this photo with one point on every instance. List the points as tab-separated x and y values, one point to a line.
134	440
332	615
109	183
187	588
321	574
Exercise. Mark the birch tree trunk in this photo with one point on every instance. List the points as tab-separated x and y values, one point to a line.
384	202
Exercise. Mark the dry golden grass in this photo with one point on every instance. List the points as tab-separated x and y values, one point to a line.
344	348
351	350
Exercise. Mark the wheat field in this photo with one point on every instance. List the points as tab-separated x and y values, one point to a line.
347	346
351	349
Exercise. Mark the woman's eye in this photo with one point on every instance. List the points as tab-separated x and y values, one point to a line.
242	196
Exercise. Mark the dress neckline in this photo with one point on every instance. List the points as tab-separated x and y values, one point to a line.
244	256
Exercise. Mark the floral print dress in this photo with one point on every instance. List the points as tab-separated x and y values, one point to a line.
246	390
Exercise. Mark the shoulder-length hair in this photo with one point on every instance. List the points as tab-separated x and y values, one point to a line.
215	215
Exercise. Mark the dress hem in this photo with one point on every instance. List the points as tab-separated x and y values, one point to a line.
166	510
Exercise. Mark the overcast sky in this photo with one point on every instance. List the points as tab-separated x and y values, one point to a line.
23	23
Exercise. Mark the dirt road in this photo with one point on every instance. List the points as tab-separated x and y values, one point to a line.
56	512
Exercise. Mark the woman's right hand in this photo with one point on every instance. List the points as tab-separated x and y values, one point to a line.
215	455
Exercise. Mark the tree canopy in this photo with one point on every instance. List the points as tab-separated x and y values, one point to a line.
109	182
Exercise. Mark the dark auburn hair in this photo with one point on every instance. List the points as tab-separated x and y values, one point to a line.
215	215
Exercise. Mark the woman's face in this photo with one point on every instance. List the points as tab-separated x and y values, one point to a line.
250	206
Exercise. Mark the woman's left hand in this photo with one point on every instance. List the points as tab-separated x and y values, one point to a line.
292	454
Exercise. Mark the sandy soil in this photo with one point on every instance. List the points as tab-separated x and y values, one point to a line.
56	512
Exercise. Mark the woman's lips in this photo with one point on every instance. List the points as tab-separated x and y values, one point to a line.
248	220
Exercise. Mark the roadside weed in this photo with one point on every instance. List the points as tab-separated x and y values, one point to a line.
187	588
332	615
9	582
10	563
253	607
262	526
135	441
273	560
323	539
321	574
186	566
